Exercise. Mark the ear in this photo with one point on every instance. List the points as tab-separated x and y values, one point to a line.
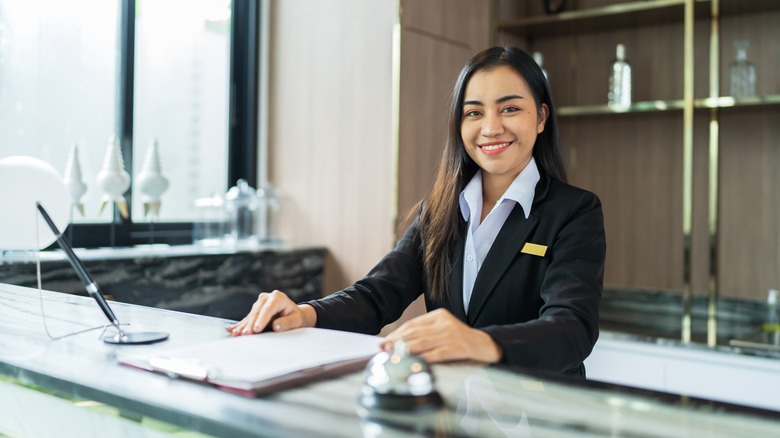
544	112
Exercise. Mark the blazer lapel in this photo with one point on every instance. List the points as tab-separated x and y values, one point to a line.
505	248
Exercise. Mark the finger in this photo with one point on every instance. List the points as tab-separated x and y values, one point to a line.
387	345
409	332
234	329
433	356
443	353
277	304
420	345
287	322
244	326
237	328
249	323
413	327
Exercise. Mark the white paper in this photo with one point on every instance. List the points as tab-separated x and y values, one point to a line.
252	359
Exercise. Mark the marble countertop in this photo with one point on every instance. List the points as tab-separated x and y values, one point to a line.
214	281
656	317
73	373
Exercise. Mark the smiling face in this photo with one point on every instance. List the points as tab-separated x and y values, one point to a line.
500	123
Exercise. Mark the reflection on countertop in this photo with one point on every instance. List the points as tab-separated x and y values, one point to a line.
656	316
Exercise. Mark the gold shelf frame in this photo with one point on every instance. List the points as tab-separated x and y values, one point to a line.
715	102
687	169
713	192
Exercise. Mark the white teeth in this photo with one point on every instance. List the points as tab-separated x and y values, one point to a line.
494	147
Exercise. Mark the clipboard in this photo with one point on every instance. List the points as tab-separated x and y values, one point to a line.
261	364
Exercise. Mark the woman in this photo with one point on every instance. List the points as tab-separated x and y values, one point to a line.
510	258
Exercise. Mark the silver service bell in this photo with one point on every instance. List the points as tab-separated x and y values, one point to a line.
398	380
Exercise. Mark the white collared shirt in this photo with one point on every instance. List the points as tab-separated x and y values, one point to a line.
480	236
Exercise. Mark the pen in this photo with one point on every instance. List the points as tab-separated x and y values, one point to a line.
82	273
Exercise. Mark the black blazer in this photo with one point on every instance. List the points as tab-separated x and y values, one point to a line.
543	310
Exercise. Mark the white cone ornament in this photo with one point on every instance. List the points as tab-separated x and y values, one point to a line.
151	181
113	179
74	179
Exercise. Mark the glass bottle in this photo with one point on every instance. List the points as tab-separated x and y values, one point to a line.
539	58
742	73
269	198
210	228
620	80
240	206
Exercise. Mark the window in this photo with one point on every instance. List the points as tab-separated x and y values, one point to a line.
181	72
182	66
58	82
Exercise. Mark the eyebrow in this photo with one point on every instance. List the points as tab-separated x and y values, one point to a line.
499	100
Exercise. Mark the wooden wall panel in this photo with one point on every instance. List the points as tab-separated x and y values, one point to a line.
428	70
437	38
633	166
749	210
331	129
749	257
460	22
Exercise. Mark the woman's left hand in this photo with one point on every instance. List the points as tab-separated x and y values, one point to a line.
439	336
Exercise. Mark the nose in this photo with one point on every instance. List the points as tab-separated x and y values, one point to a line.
491	125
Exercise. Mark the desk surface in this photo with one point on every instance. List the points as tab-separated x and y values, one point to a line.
80	379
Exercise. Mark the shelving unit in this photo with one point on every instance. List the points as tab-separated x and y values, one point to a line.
591	19
636	107
666	157
625	14
721	102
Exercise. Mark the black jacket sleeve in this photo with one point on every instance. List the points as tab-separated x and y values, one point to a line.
382	296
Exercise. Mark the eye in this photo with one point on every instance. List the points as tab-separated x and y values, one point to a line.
510	109
472	113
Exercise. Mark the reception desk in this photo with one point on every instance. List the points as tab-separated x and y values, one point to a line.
73	386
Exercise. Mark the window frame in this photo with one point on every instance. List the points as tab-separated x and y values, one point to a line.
242	129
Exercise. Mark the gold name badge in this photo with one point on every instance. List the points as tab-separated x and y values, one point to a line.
534	249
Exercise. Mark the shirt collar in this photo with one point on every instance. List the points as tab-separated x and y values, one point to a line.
521	191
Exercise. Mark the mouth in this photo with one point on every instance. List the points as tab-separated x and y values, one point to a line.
494	147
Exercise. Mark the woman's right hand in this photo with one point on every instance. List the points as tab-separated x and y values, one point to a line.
274	308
